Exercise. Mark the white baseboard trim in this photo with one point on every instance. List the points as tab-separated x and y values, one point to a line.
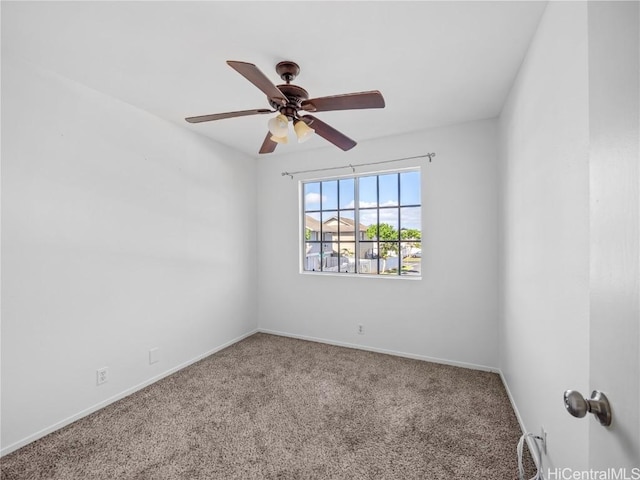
532	448
414	356
67	421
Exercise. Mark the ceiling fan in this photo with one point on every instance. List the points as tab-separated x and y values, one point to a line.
288	100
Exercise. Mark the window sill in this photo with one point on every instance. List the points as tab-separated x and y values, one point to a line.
361	275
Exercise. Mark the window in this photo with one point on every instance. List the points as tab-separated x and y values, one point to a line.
369	224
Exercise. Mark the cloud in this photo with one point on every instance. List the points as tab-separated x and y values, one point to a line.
314	197
368	217
411	218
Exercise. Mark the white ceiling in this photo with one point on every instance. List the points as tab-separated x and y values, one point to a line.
436	63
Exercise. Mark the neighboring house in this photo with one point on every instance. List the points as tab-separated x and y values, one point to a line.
342	229
332	235
335	238
311	228
333	230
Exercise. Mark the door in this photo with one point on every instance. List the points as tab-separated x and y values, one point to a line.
614	59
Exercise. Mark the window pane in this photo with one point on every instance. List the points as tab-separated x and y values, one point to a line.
312	196
312	257
347	225
329	221
410	188
312	226
388	187
347	257
410	249
368	217
389	259
347	192
368	261
411	258
329	236
331	262
368	191
410	221
388	226
330	195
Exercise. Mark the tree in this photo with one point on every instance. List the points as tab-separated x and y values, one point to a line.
410	237
383	232
410	234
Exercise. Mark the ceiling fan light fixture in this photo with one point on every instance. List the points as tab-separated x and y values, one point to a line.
283	139
287	100
303	131
279	126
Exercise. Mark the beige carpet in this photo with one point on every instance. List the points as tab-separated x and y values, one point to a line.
271	407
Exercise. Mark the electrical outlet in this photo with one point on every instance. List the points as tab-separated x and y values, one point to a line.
360	329
543	441
153	356
102	375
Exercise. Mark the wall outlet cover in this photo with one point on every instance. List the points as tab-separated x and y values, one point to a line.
154	356
102	375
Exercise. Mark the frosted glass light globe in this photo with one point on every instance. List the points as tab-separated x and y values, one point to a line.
284	139
303	131
279	126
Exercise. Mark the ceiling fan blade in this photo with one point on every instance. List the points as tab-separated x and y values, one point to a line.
259	79
349	101
220	116
329	133
268	146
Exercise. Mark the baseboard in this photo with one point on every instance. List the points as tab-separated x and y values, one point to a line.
67	421
414	356
532	448
140	386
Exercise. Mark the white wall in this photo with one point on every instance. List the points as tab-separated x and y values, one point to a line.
448	315
544	138
120	232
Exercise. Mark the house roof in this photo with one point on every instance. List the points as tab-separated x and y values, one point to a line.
331	224
311	223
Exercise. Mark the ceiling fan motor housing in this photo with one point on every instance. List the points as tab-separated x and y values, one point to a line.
288	71
295	96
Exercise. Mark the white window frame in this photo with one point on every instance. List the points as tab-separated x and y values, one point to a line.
358	272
